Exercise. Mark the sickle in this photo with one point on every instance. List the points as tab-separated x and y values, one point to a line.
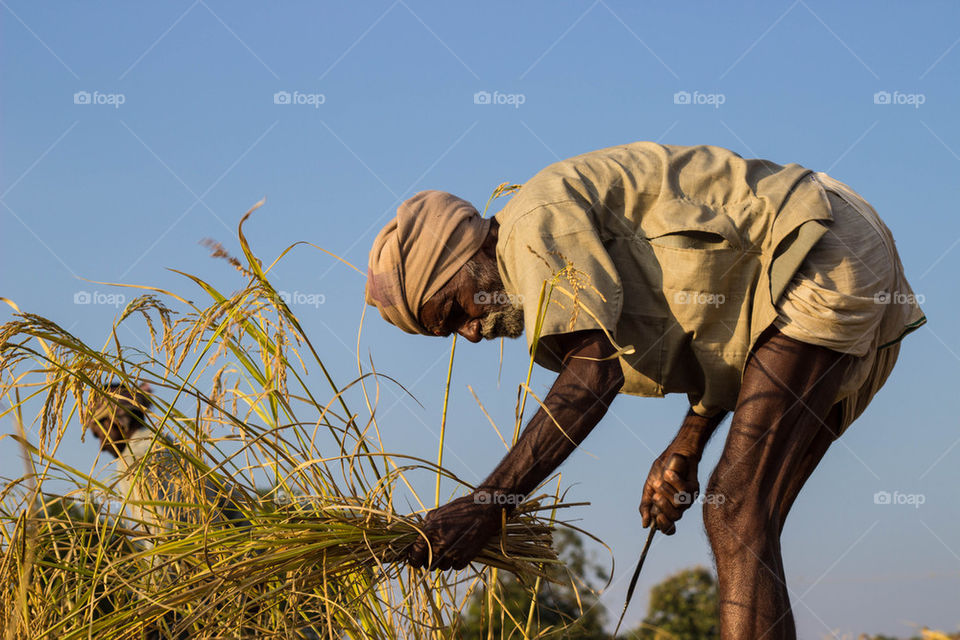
675	463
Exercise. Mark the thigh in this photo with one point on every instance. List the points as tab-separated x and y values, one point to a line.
787	391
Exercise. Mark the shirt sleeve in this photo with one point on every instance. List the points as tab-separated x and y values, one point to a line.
701	409
556	249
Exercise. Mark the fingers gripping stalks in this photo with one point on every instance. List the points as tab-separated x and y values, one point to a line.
455	533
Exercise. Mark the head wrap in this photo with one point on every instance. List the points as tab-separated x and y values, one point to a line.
415	254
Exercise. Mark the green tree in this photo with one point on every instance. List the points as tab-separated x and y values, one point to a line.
682	607
560	609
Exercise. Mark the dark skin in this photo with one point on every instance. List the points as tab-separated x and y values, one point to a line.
113	431
454	309
111	436
783	423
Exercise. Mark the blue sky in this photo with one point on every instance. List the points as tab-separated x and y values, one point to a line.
182	134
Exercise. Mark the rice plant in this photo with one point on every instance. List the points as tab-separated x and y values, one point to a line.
240	401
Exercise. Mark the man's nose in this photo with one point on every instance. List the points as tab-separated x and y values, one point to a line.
471	331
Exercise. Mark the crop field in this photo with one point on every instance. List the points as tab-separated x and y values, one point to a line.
314	541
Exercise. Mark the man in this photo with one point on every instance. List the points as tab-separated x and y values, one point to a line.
768	291
163	490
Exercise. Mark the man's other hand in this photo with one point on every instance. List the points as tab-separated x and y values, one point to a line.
670	489
457	532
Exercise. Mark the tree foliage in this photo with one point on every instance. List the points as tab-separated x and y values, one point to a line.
682	607
560	609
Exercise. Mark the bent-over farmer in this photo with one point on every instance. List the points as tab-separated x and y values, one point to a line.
772	292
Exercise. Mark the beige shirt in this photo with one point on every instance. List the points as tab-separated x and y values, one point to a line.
680	253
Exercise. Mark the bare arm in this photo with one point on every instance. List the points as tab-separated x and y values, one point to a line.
694	434
577	401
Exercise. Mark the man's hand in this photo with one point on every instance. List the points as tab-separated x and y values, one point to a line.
457	532
670	489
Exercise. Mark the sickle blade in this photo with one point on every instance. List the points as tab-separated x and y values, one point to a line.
636	575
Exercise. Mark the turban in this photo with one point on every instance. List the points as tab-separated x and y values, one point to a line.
415	254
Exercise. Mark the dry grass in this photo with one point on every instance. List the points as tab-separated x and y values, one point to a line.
321	555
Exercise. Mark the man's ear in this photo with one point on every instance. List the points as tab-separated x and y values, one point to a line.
489	246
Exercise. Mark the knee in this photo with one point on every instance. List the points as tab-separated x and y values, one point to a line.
718	510
735	512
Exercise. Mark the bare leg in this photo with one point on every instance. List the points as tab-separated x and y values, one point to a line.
815	452
773	445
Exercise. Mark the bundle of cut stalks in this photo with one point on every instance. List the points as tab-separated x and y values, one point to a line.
346	540
320	550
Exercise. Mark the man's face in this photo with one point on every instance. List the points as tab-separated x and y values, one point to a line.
111	435
118	418
473	304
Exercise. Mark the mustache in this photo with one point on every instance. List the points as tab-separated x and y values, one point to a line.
502	323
